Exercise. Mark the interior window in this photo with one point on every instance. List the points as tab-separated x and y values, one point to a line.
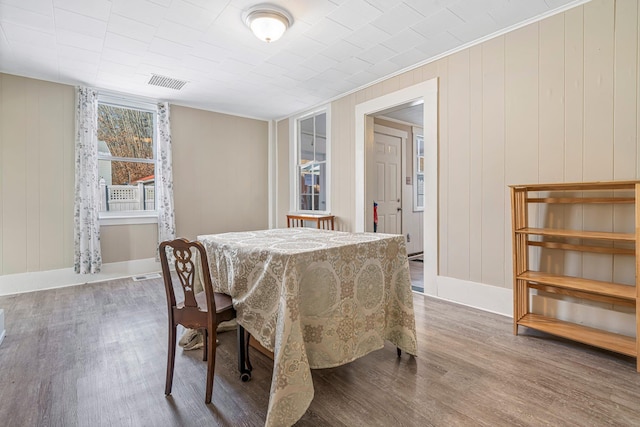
418	168
311	167
126	158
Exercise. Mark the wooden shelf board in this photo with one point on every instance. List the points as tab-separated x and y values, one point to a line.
579	186
581	200
584	334
582	295
598	235
582	248
579	284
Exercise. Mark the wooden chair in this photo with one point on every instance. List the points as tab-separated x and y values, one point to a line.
324	222
203	311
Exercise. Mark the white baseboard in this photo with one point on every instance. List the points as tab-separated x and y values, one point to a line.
490	298
41	280
2	330
499	300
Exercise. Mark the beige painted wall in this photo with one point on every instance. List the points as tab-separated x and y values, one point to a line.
554	101
36	175
128	242
220	170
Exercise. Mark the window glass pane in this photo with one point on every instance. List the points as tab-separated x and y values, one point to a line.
321	189
313	187
125	132
321	148
306	187
311	163
321	137
420	154
418	173
306	140
124	173
126	186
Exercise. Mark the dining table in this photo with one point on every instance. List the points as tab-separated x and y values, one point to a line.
316	299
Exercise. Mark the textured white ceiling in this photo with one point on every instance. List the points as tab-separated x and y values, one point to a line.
333	46
408	113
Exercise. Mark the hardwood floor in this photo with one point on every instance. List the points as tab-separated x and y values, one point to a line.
416	270
94	355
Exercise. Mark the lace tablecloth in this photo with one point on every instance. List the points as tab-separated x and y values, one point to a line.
316	299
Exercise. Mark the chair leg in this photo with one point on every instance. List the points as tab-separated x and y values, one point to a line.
171	357
211	363
205	340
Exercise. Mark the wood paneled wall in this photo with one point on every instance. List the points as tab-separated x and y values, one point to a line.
36	175
556	100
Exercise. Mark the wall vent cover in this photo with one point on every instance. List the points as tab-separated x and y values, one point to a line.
164	81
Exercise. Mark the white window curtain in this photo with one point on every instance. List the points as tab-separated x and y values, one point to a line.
86	230
164	178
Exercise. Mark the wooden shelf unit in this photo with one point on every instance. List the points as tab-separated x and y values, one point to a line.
525	279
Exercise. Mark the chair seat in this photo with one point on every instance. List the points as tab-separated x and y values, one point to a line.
223	302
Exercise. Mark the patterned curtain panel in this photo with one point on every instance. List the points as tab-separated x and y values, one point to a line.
87	257
164	178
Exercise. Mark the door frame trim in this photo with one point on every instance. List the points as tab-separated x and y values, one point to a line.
428	92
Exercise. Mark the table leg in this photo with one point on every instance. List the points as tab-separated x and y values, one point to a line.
244	365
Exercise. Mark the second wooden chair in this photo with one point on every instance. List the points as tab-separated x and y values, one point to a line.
202	311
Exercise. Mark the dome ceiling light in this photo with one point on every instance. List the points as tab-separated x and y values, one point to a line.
268	22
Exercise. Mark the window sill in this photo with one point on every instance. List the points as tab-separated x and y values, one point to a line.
148	218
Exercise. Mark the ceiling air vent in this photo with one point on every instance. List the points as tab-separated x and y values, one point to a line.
164	81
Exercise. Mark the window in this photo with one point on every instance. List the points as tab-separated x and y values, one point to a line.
418	170
126	157
312	167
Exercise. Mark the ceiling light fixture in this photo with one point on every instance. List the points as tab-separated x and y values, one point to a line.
268	22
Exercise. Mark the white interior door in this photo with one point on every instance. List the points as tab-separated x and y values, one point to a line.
387	193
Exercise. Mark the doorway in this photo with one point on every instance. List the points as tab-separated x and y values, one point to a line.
397	185
427	93
405	124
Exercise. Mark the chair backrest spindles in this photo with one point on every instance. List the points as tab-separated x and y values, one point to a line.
187	254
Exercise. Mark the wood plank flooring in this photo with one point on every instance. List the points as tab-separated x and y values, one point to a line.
95	355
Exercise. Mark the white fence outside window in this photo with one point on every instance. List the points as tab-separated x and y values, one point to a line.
127	197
